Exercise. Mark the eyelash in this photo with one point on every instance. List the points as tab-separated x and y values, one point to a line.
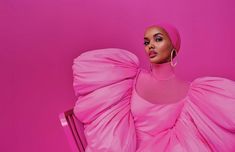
145	43
159	38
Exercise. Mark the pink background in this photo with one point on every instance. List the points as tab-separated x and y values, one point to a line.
40	39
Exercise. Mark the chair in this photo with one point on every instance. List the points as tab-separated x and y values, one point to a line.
74	131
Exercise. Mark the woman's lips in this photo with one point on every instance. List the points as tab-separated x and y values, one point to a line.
152	54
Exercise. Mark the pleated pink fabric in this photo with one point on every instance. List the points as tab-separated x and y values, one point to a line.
117	119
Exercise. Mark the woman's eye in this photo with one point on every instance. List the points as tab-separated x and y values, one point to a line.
158	39
146	43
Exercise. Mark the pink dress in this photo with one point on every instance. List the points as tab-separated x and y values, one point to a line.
117	119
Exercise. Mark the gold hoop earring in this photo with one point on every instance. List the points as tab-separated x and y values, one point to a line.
173	64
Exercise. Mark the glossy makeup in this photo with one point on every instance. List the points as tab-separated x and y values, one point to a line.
157	44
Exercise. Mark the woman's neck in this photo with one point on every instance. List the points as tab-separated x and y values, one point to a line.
163	71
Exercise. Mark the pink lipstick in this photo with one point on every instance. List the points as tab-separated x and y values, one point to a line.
152	54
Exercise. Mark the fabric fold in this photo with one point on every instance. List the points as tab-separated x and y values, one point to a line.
103	82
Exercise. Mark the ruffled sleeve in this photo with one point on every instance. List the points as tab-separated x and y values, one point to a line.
103	81
212	109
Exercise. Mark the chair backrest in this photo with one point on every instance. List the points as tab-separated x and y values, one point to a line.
74	131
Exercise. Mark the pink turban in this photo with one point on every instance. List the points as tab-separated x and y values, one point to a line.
172	33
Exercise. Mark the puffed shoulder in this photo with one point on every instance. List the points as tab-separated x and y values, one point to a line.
211	107
98	68
217	85
103	82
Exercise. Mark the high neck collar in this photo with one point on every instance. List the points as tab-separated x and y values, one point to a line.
163	71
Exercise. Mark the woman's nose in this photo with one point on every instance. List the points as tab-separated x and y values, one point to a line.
151	46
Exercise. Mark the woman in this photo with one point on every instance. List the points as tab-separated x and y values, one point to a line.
125	108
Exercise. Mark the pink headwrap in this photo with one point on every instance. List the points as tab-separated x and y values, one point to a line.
172	33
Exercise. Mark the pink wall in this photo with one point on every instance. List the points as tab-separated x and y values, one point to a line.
40	39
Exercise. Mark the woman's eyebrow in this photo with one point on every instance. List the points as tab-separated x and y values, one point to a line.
157	34
154	35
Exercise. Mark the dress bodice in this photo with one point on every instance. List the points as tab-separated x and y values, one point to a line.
153	118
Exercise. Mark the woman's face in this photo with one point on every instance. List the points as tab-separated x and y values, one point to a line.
158	45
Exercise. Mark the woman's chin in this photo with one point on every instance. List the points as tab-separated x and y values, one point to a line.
157	60
154	60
